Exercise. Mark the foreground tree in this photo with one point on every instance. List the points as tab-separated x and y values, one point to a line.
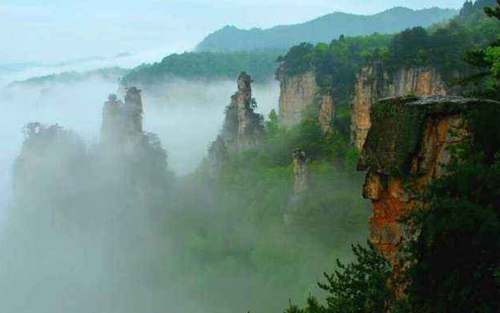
358	287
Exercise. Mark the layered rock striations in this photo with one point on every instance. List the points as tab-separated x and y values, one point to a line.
409	144
374	83
296	93
326	112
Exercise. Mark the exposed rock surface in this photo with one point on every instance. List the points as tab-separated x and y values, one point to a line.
374	83
326	112
242	126
242	130
296	93
408	145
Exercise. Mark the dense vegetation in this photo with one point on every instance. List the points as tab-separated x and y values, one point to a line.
452	260
360	286
441	46
455	257
236	52
207	65
336	64
248	230
322	29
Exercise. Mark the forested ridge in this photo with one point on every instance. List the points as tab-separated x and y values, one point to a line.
451	261
321	29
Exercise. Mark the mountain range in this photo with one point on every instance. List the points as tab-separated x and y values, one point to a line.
322	29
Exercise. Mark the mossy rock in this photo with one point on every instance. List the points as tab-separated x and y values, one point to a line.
398	125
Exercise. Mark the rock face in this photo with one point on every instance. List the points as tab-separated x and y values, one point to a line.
408	146
374	83
242	130
326	112
242	126
122	122
296	93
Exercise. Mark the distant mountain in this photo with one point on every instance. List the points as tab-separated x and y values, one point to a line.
323	29
112	74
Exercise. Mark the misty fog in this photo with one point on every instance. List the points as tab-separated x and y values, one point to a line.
103	254
187	115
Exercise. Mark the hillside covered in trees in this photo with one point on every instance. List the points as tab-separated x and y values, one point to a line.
322	29
225	53
205	65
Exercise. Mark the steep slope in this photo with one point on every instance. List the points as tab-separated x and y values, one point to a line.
322	29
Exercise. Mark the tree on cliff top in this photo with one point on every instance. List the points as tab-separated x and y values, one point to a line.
487	63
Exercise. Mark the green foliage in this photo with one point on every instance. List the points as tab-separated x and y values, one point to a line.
336	64
230	126
455	257
408	48
390	147
358	287
487	63
297	60
322	29
442	47
234	229
205	65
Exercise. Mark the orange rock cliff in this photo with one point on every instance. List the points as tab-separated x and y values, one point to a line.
409	145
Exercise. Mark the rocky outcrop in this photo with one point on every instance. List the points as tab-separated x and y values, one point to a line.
408	145
242	126
133	110
296	93
419	81
374	82
326	112
122	122
242	129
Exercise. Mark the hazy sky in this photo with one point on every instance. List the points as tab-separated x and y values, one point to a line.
59	30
